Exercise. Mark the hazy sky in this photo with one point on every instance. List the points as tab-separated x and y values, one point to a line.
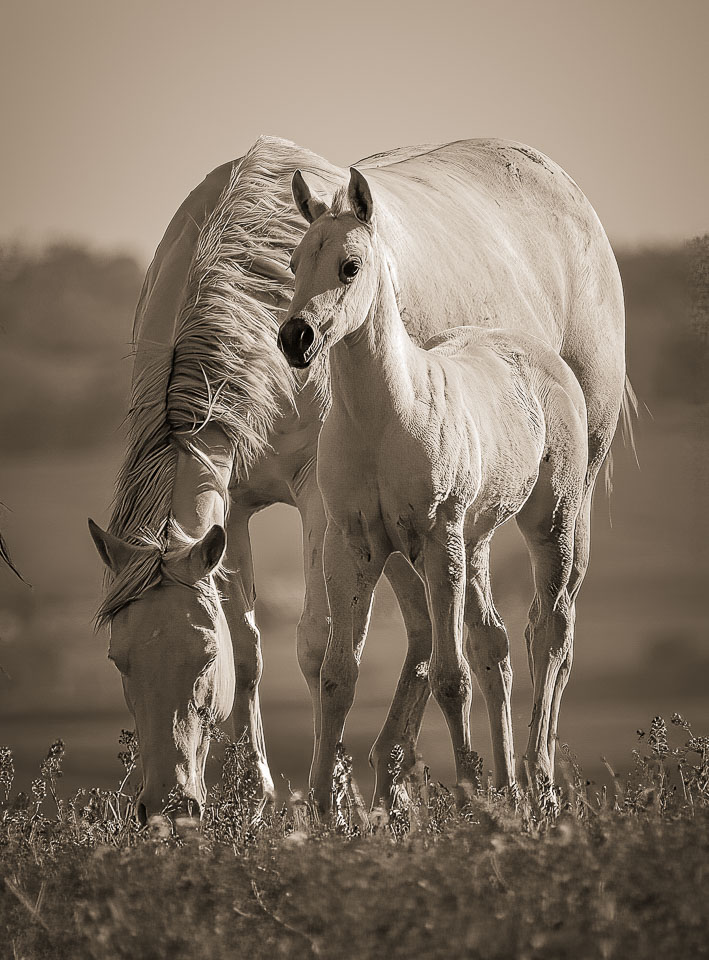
113	111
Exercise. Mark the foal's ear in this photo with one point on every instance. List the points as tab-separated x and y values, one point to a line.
360	197
310	206
206	554
115	552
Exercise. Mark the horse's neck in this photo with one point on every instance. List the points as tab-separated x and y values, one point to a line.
376	365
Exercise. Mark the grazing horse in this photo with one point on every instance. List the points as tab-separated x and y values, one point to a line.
425	452
221	427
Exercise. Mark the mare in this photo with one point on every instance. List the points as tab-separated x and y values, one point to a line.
426	451
220	426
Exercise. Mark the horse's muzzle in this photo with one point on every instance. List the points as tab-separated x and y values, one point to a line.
299	342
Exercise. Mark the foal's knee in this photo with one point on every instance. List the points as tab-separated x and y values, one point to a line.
450	685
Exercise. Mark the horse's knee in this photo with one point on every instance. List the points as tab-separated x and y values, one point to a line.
248	661
311	638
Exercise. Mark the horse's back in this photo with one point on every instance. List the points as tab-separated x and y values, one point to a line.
494	233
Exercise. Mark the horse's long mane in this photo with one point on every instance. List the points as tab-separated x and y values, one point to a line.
223	366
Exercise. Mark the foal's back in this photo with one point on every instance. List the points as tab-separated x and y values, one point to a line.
520	402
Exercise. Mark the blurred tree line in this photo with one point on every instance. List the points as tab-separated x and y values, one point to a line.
66	316
65	330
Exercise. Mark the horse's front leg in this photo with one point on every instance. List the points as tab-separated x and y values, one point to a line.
352	565
246	642
403	722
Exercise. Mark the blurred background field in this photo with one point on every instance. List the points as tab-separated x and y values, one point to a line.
65	320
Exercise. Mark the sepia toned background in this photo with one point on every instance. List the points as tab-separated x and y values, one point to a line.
111	115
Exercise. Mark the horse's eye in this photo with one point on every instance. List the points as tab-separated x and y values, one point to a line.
349	270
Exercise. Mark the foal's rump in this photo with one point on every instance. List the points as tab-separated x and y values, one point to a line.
524	389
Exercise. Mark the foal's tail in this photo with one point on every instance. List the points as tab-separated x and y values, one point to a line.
628	412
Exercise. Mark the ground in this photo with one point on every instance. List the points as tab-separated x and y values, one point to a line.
570	873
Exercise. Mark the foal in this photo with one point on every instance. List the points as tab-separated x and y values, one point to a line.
426	452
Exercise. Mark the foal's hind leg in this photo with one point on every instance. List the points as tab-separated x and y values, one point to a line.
488	651
443	560
403	721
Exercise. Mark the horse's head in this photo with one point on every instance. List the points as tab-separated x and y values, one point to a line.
336	275
172	648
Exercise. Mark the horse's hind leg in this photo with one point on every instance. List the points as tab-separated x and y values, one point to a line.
403	721
488	652
582	545
547	521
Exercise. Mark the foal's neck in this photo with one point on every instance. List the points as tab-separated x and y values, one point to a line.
373	366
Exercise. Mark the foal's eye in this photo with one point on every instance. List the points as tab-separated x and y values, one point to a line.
349	270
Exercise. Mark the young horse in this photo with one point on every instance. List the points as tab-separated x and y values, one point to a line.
426	451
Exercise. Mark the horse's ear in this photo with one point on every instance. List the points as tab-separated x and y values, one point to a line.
310	206
114	552
206	554
360	197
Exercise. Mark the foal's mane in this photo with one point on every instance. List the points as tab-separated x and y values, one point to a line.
223	365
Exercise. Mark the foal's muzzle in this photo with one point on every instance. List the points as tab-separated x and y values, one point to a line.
299	342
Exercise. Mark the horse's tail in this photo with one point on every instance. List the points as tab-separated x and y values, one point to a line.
628	411
5	556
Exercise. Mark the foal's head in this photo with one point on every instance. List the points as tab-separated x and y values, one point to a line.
172	647
335	267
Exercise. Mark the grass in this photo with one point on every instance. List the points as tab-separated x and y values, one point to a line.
561	873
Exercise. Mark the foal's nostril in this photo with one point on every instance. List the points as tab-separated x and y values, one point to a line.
142	814
295	339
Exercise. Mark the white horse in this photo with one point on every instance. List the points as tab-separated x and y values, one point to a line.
425	452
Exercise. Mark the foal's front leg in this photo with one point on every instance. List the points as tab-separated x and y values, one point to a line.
352	566
403	722
449	674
